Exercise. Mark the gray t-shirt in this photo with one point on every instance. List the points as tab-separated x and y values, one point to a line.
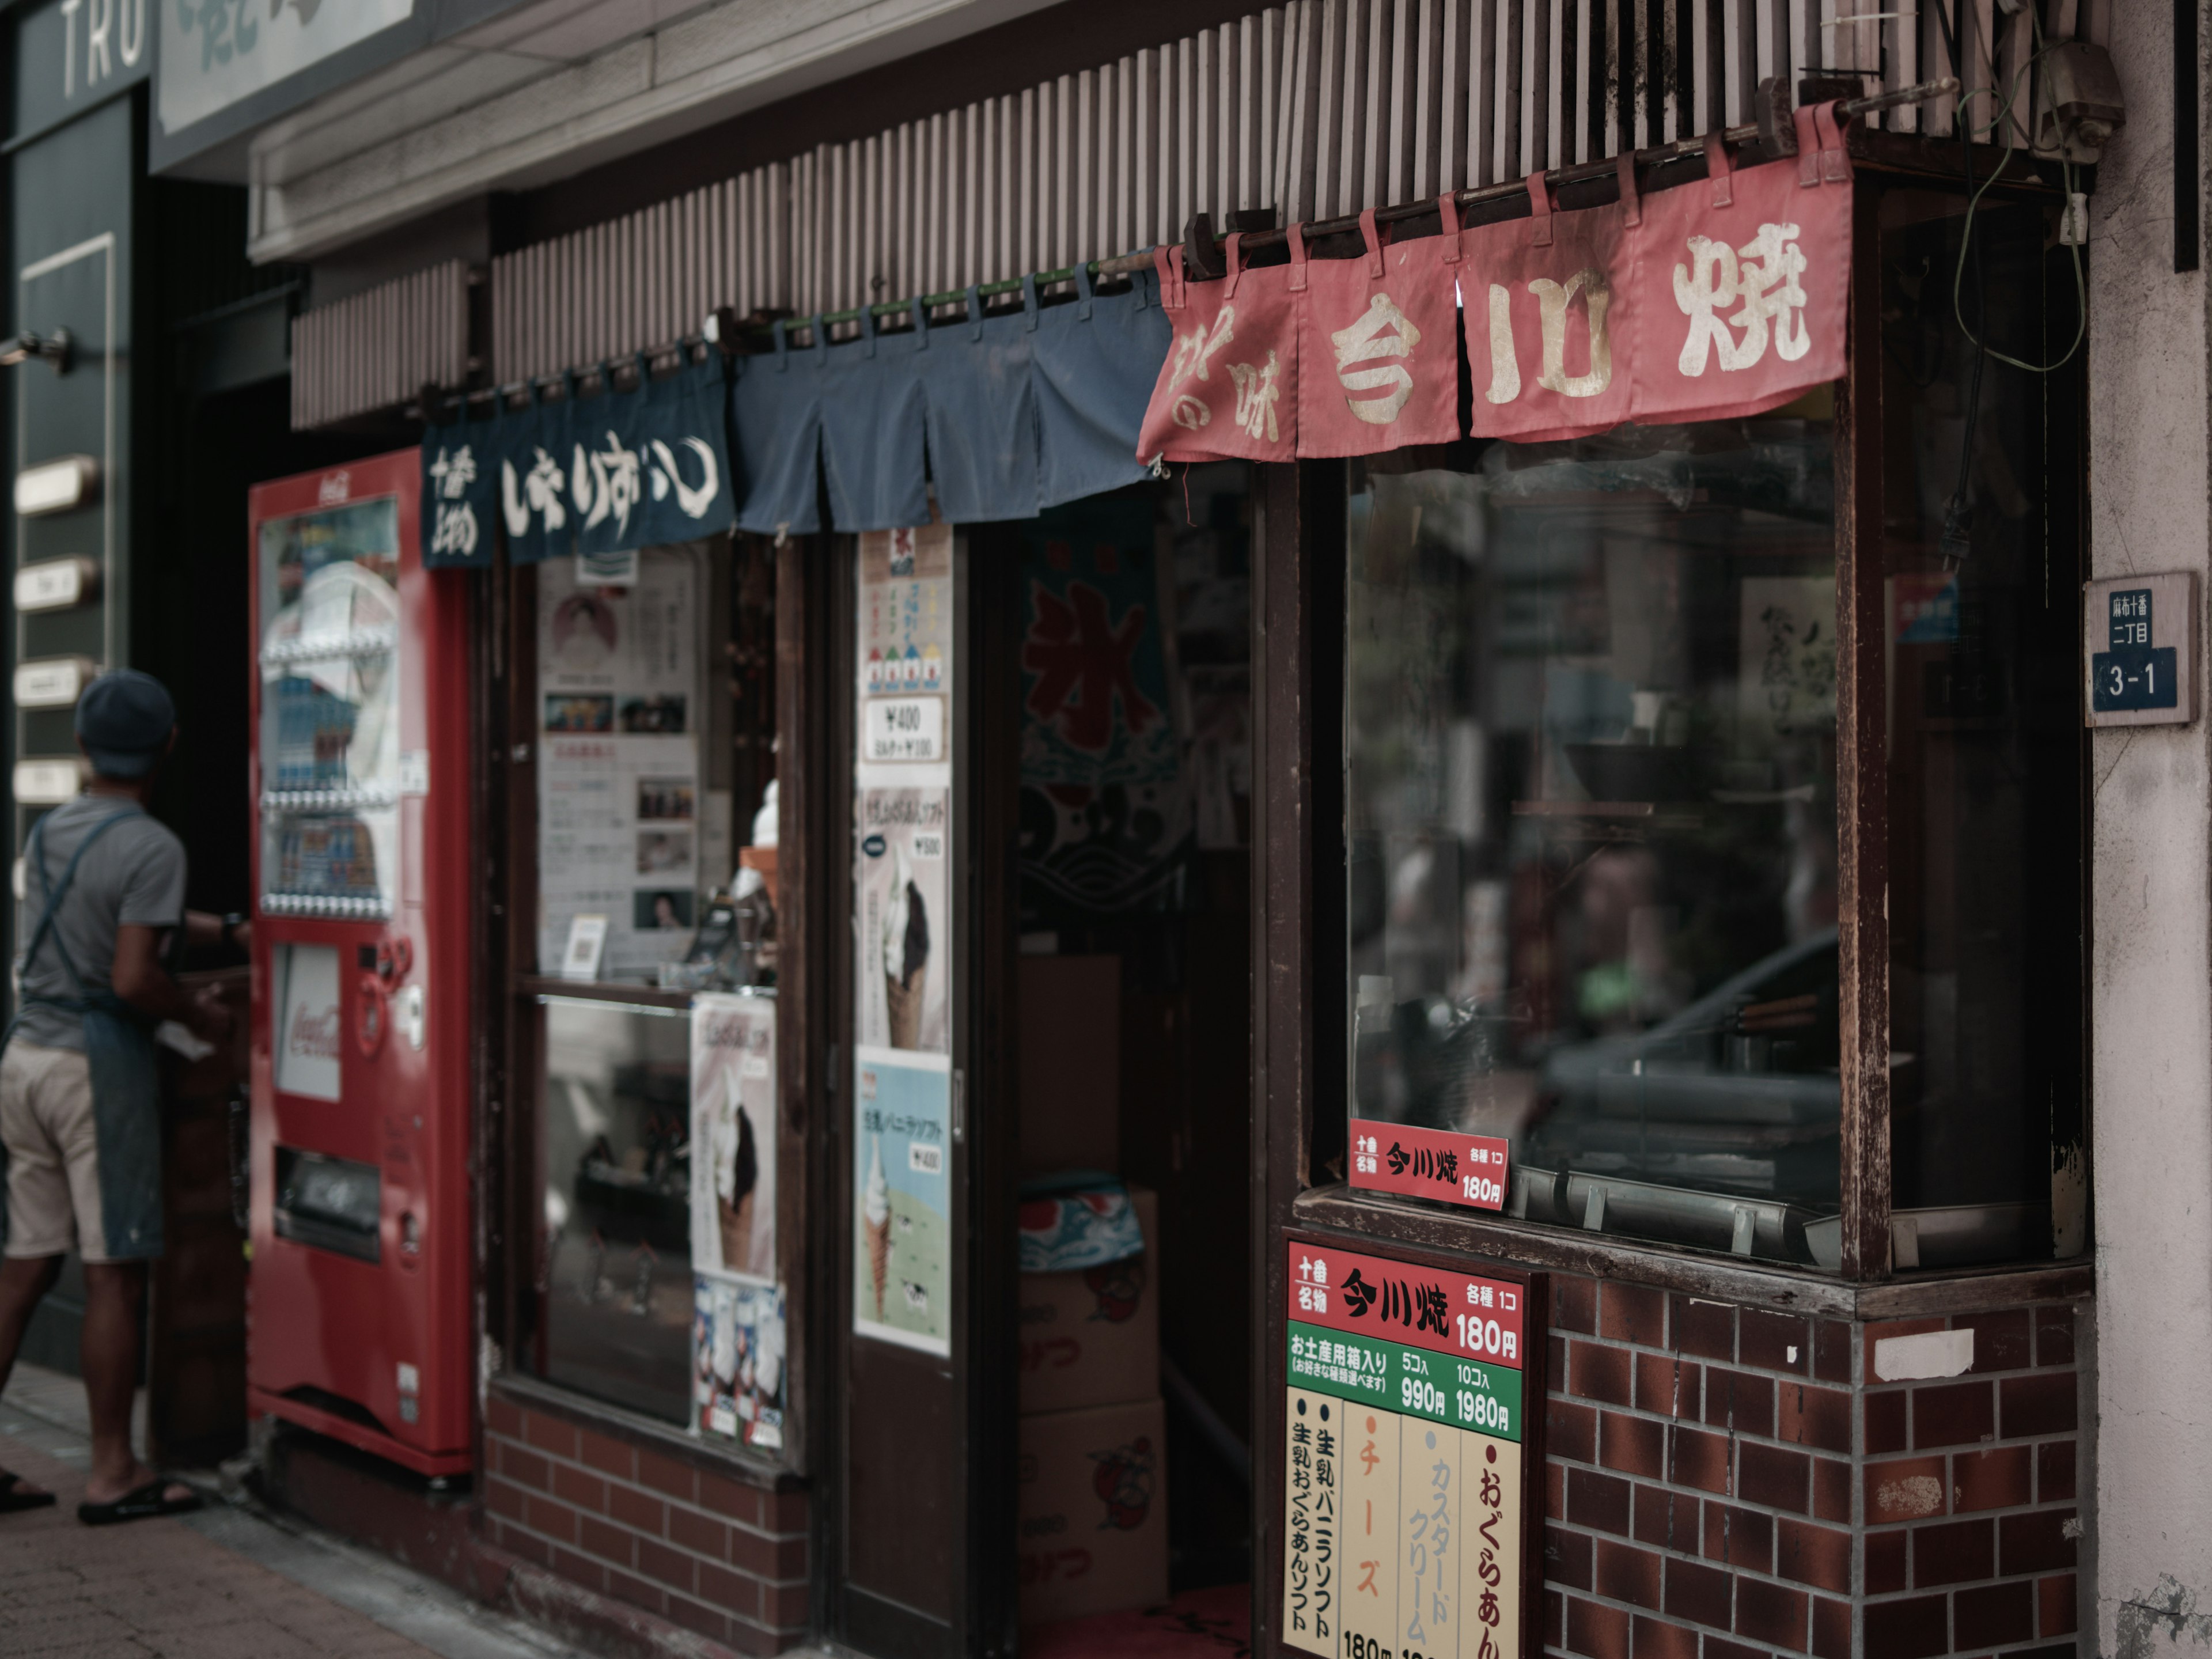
133	877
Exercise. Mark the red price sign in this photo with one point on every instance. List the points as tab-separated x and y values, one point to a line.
1452	1169
1451	1313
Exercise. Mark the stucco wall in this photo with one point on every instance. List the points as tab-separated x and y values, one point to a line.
2152	949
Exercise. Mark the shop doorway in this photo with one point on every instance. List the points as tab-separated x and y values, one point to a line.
1041	964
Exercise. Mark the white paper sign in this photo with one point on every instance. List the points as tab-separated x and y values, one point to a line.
309	1023
733	1134
903	729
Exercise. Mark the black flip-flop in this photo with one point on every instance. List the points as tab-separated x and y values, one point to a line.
12	1499
143	1504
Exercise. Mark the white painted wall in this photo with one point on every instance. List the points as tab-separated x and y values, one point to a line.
2151	506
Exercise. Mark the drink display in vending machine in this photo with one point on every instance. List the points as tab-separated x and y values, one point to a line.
359	1310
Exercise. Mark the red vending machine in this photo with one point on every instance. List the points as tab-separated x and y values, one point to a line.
359	1310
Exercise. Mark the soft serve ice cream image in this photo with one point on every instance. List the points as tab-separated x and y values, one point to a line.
904	944
876	1212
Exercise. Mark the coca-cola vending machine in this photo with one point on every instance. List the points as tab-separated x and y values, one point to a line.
360	1283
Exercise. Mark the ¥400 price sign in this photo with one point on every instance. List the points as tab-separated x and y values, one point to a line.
1403	1492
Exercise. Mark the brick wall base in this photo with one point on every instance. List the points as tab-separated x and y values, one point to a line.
1726	1483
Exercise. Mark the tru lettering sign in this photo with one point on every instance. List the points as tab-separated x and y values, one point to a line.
2140	650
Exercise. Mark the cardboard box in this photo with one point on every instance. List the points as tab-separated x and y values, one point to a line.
1092	1337
1068	1063
1093	1522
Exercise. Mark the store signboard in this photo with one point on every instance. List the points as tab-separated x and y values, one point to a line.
1438	1164
1409	1457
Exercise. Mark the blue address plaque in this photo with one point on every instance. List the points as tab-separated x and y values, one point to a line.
2145	627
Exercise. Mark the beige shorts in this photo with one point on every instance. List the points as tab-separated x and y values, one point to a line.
54	1152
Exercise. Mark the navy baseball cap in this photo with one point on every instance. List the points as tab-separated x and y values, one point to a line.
123	720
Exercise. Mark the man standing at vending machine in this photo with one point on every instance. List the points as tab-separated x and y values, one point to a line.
80	1096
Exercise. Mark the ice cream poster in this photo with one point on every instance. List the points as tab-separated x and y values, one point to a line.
902	1199
737	1362
903	997
733	1134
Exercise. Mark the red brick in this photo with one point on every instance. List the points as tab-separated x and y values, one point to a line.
639	1510
1906	1489
1601	1632
733	1500
586	1491
772	1558
1668	1384
503	1499
1596	1373
666	1475
555	1519
1569	1431
1832	1629
1874	1334
1574	1304
503	1418
1666	1520
1555	1360
580	1569
1555	1491
2001	1340
1819	1556
2056	1615
671	1567
1807	1416
709	1622
700	1534
2044	1404
1831	1351
1770	1340
1706	1329
1597	1500
1991	1615
1701	1461
1887	1570
1771	1613
595	1451
1885	1415
549	1434
608	1543
732	1592
1568	1558
525	1468
788	1607
1832	1489
2035	1542
1555	1620
1698	1593
1916	1628
748	1637
1739	1537
2054	1473
1717	1648
2054	1336
2001	1478
1768	1474
1626	1573
528	1545
1739	1400
637	1591
1657	1640
1955	1553
1955	1414
1632	1445
1633	1313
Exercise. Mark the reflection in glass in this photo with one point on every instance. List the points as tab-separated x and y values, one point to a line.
1590	824
330	714
1981	556
615	1155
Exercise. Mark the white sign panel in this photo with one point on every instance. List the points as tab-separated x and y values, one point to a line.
310	1023
215	52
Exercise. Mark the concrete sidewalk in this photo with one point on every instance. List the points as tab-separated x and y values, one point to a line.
228	1583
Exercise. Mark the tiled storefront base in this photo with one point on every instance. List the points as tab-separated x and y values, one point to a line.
1728	1481
678	1537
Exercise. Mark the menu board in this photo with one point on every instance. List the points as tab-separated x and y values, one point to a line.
1407	1450
619	804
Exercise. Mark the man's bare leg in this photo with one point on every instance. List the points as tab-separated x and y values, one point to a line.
24	1282
114	1294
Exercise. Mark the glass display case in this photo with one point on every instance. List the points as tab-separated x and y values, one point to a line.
330	730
